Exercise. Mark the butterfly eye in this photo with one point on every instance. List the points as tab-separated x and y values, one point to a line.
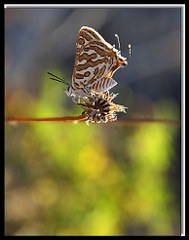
122	61
124	64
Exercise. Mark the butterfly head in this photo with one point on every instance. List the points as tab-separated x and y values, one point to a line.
122	60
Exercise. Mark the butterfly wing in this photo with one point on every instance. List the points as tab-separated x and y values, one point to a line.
95	62
105	84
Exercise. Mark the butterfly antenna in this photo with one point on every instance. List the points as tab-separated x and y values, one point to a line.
118	41
56	78
129	45
129	48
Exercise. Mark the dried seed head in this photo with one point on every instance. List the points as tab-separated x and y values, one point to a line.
100	108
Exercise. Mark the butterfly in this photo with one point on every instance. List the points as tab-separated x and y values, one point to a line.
95	63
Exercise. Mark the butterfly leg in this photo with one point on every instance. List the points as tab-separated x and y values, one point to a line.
76	99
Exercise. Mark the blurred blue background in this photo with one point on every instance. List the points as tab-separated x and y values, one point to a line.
66	179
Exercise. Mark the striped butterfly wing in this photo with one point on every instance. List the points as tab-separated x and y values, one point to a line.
95	62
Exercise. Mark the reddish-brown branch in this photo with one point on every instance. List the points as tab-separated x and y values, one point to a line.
84	118
146	120
53	119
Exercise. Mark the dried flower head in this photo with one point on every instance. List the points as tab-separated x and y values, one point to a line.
100	108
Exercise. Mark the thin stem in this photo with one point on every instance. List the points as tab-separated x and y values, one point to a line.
84	117
146	120
53	119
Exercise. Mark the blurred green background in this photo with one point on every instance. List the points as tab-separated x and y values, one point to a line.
74	179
